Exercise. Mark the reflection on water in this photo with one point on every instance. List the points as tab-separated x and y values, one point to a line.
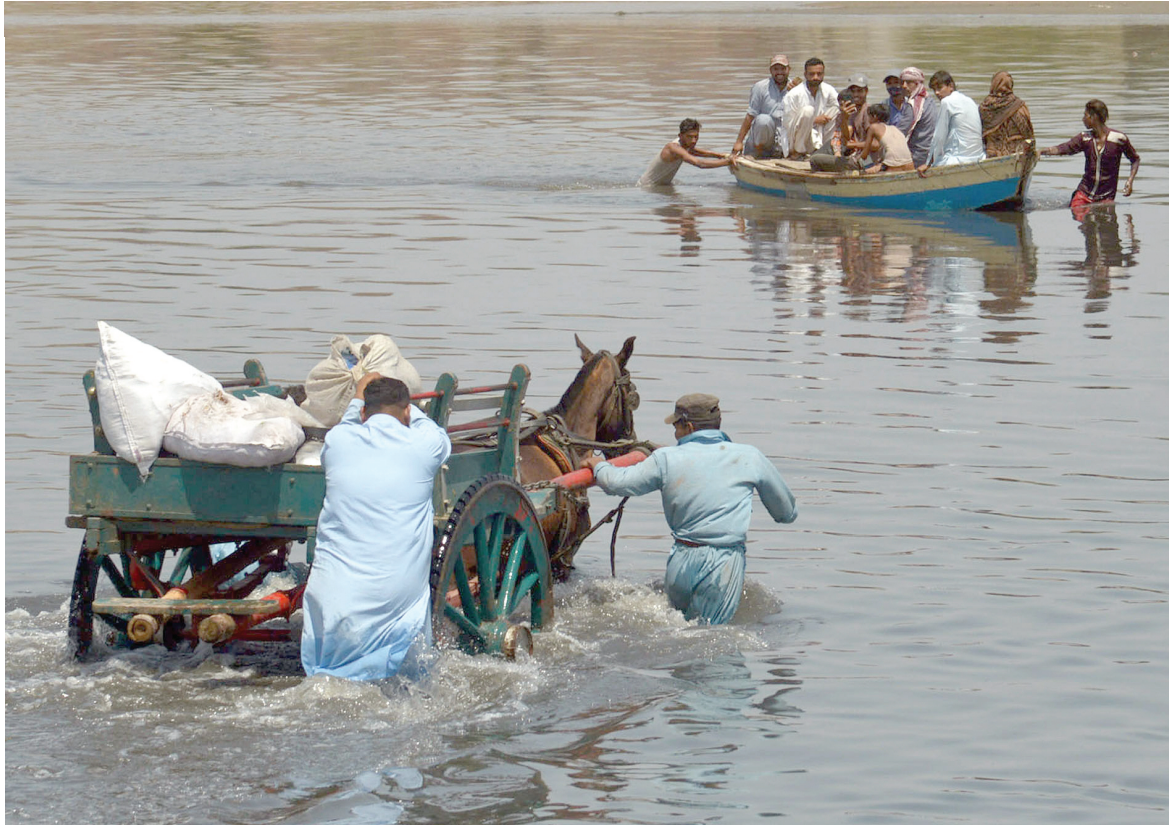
683	219
1107	259
892	268
896	268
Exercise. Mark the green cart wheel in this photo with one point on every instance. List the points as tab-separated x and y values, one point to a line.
491	582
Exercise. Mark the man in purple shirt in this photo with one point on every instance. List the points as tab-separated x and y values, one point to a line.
1103	148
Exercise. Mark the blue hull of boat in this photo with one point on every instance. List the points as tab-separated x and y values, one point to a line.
972	197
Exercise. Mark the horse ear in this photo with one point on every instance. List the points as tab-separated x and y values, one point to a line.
627	349
586	353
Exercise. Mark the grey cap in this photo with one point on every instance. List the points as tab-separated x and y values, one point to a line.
699	409
858	80
893	73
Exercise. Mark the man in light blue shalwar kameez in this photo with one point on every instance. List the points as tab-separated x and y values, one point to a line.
367	603
707	483
959	135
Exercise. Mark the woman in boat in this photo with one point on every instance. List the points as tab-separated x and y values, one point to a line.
1005	119
884	144
663	168
1103	148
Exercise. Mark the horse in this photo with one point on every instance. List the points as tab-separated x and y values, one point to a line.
595	412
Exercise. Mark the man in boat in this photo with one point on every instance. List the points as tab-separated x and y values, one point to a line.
902	114
852	122
706	482
367	602
684	148
959	136
763	118
1103	148
808	113
857	115
925	111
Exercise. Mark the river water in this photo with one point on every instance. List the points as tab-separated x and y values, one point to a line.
968	622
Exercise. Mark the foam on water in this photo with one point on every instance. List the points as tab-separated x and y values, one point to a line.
150	708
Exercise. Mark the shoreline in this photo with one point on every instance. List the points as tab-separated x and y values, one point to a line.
994	8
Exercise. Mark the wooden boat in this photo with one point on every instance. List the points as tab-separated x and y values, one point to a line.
994	183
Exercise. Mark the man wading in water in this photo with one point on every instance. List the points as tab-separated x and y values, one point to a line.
684	148
1103	148
707	483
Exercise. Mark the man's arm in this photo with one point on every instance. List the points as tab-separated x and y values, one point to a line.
831	112
703	163
774	493
755	100
632	481
1133	157
353	414
1070	147
738	146
432	438
872	143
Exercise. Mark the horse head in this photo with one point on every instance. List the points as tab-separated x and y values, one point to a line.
600	402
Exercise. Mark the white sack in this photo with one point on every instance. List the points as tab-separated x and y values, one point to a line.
332	383
250	432
138	388
263	406
309	453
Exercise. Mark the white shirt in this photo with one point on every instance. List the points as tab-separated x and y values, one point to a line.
959	136
825	102
369	593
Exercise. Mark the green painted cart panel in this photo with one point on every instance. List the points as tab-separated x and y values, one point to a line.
213	496
190	491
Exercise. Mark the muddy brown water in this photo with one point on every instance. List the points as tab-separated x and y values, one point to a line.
968	622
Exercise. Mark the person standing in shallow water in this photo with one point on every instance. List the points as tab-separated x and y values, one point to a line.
1103	148
706	482
684	148
367	605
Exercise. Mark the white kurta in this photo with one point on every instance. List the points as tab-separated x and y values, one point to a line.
368	596
800	108
959	137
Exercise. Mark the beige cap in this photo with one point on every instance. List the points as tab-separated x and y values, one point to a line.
699	409
781	59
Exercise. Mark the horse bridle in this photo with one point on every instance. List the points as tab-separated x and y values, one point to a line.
622	401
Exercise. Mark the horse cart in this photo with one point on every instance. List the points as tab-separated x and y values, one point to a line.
183	554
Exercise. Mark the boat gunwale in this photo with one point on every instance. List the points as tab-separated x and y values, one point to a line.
772	167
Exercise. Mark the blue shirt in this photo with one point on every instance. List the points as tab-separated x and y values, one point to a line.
707	483
765	99
368	595
900	117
